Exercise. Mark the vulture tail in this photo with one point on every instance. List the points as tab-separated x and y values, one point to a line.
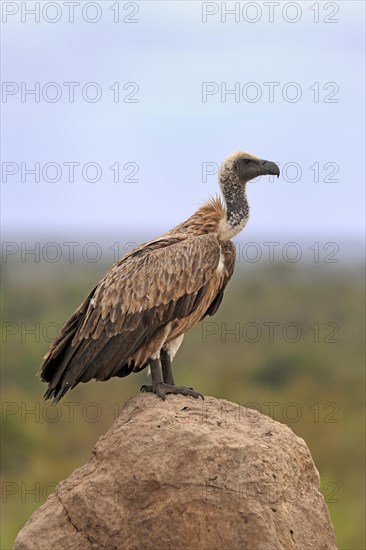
61	353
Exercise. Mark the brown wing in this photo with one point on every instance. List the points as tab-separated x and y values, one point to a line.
157	283
228	250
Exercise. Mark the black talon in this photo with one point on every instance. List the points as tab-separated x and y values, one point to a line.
145	389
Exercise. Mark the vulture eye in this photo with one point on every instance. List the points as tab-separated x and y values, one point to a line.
246	161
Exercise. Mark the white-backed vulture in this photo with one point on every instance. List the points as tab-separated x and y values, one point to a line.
138	313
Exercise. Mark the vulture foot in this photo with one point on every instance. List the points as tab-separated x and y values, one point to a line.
162	390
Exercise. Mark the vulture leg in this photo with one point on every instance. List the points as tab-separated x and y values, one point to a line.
160	388
156	377
166	363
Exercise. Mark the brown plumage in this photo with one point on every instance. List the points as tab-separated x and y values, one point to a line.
138	313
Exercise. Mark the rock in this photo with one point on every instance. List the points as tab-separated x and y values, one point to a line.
187	474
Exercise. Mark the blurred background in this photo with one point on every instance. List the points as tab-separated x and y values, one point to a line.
115	119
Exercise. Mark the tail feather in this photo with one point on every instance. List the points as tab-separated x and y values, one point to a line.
83	360
61	353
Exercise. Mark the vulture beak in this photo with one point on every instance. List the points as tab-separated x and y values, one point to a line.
266	167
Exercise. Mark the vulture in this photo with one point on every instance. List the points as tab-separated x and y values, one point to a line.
138	313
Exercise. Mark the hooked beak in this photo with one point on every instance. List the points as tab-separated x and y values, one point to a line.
266	167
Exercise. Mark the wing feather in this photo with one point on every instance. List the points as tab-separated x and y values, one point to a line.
159	282
228	250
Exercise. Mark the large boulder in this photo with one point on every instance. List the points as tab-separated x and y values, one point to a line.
187	474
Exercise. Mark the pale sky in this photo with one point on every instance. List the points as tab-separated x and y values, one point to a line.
178	122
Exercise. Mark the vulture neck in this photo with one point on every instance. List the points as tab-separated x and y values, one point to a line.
237	207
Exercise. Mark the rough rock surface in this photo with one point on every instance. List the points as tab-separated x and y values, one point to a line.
187	474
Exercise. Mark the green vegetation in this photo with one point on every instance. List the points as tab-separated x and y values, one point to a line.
288	340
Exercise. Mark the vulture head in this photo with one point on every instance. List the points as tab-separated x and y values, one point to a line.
243	167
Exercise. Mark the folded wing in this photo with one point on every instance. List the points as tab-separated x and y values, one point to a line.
159	282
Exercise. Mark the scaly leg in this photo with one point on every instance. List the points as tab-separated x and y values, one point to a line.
160	388
166	363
